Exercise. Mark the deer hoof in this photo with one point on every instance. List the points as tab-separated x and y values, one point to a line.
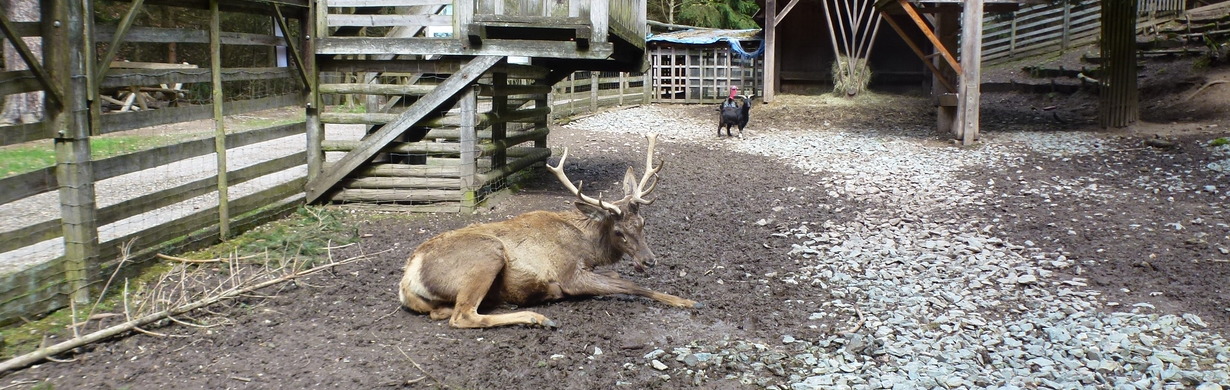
698	305
550	324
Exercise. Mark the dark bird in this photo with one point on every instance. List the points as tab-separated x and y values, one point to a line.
735	111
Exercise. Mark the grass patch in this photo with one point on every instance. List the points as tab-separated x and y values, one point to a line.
1221	141
309	232
34	156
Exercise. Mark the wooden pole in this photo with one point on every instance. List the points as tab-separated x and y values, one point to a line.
971	55
946	26
1119	98
469	148
770	51
315	129
499	105
215	65
593	90
68	57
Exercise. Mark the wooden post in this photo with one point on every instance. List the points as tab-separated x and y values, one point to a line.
499	105
1012	37
593	90
315	129
1118	95
546	101
463	14
572	93
469	148
647	83
770	50
622	80
1066	36
946	26
68	63
320	18
215	67
971	56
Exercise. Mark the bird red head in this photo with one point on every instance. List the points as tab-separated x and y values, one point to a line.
733	91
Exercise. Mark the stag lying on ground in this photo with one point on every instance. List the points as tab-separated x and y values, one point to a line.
535	257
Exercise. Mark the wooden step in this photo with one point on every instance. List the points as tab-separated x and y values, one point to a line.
399	195
403	183
484	119
377	89
409	170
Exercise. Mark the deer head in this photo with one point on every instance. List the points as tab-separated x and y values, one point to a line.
620	221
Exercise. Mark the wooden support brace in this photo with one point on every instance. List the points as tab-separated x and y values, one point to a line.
290	44
54	94
922	25
948	85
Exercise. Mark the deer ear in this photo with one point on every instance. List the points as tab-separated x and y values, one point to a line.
596	213
629	183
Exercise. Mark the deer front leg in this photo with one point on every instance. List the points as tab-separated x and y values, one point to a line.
587	283
480	278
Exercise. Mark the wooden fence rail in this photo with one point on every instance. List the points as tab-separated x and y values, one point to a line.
168	198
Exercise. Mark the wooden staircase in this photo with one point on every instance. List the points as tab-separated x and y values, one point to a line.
447	118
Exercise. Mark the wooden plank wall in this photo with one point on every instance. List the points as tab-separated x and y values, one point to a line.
170	217
1057	26
694	74
588	91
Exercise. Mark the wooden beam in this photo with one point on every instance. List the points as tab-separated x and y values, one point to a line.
372	144
971	53
113	49
778	19
54	94
443	46
66	56
291	47
922	25
948	85
770	53
215	65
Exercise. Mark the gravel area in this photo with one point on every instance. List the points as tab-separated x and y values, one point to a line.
937	298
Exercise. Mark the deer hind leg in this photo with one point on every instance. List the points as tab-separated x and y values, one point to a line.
469	297
592	284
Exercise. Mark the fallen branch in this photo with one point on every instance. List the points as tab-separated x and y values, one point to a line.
195	261
1202	87
133	325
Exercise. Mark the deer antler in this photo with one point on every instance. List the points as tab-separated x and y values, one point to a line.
645	186
558	170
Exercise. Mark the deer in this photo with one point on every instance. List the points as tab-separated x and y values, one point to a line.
536	257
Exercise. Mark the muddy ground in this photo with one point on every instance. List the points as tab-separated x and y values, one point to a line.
344	330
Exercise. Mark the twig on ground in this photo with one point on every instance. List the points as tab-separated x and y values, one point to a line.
19	382
133	324
857	326
416	365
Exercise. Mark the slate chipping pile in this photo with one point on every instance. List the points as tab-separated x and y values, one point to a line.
936	301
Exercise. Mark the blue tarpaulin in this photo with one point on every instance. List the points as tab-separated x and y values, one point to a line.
711	36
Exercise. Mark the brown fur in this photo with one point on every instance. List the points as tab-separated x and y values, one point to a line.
535	257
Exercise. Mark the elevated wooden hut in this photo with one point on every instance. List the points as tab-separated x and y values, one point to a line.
700	65
448	115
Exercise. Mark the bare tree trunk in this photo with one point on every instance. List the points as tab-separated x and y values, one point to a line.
24	107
